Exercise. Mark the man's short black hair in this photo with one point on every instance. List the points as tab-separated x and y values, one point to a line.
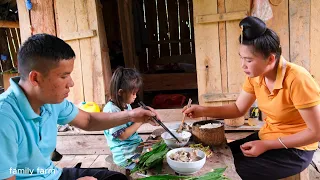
42	52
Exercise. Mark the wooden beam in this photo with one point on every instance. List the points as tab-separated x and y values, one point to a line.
9	24
127	36
223	49
79	35
171	81
213	18
217	97
24	20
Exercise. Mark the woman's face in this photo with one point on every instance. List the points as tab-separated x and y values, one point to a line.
252	63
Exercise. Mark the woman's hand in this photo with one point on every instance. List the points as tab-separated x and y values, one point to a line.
194	111
254	148
87	178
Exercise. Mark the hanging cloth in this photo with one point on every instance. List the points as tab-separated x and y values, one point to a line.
262	10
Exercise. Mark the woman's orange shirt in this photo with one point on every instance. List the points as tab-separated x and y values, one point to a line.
294	89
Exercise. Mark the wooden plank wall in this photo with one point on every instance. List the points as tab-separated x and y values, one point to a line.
299	18
315	40
68	16
207	50
293	20
235	72
90	74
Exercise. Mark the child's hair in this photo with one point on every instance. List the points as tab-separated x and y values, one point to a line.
128	80
42	52
263	39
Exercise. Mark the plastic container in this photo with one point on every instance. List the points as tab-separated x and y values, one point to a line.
89	107
254	114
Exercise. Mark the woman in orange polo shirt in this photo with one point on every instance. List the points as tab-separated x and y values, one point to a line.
289	97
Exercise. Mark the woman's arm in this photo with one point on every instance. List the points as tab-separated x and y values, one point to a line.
234	110
129	131
308	136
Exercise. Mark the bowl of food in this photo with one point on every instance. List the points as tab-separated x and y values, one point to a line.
209	132
171	142
186	161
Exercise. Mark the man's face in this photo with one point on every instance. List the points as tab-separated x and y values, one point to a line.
55	86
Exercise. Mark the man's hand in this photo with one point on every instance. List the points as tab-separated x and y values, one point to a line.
87	178
254	148
143	116
194	111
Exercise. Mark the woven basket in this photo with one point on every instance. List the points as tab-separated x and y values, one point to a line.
206	136
234	122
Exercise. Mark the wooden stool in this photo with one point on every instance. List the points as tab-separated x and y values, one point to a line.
304	175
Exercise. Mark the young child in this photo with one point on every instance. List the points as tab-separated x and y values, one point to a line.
123	140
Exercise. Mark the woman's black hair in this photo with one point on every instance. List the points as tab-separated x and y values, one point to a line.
128	80
263	39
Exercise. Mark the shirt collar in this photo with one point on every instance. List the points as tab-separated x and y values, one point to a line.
22	101
281	70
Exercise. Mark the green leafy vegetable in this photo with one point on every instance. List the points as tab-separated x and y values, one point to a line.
216	174
152	158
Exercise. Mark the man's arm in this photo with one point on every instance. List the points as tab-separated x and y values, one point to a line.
101	121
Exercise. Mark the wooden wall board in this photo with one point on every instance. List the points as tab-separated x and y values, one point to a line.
280	24
207	50
103	49
236	75
315	40
42	17
24	20
90	72
68	16
101	74
299	18
85	46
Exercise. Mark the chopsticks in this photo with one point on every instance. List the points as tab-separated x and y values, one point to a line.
184	116
158	121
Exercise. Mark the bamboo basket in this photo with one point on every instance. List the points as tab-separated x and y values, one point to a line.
206	136
236	122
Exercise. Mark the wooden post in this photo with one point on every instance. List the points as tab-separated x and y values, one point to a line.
24	20
127	33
